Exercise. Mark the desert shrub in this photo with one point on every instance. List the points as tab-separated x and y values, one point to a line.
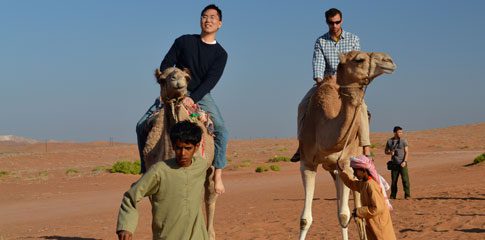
43	175
479	159
71	171
245	163
279	159
261	169
126	167
3	173
274	168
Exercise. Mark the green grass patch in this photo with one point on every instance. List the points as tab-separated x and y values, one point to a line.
279	159
126	167
275	168
43	175
72	171
245	163
3	173
261	169
479	159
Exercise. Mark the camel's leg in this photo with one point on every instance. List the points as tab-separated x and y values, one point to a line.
308	177
210	202
344	215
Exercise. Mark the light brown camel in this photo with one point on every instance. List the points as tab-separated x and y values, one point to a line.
329	128
173	90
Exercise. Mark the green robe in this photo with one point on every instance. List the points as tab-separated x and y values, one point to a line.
175	194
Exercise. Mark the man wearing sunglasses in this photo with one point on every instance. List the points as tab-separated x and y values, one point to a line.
325	61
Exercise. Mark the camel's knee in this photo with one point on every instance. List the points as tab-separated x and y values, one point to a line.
344	217
305	223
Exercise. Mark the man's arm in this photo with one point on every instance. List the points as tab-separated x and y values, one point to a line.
171	57
147	185
406	154
348	181
388	150
210	79
376	203
318	62
356	45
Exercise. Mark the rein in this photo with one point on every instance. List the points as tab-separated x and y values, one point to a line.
172	102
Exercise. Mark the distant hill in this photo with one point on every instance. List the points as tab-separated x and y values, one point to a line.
17	139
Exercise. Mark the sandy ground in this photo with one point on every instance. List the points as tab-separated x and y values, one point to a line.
58	190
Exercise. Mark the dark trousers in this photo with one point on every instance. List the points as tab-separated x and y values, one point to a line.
403	171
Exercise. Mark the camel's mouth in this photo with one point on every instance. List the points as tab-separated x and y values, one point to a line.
388	67
179	88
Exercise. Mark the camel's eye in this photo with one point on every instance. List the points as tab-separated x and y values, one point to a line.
359	59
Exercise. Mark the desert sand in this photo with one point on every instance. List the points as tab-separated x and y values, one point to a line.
60	191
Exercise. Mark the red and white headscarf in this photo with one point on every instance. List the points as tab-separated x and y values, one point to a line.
364	162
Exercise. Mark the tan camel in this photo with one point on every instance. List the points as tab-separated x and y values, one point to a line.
173	90
329	128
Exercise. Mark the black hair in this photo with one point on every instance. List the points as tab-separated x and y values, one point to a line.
332	12
186	132
396	128
212	6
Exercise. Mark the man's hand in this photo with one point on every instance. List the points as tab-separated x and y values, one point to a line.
124	235
404	163
188	102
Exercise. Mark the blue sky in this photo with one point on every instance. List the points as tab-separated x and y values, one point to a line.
82	70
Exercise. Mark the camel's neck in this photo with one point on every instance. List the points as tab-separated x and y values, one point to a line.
339	108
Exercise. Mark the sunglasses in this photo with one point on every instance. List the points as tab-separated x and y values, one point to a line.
332	23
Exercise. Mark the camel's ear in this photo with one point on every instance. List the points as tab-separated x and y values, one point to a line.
158	74
161	76
186	70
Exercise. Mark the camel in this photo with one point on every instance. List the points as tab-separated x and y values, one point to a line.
329	131
173	90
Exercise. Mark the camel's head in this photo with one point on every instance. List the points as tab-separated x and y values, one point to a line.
173	82
361	68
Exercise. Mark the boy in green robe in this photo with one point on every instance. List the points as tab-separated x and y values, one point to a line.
175	189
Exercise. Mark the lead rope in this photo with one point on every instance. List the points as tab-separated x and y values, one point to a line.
357	108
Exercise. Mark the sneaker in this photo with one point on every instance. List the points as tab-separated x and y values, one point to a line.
296	157
407	197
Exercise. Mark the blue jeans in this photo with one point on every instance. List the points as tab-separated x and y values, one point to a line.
207	104
143	128
221	134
